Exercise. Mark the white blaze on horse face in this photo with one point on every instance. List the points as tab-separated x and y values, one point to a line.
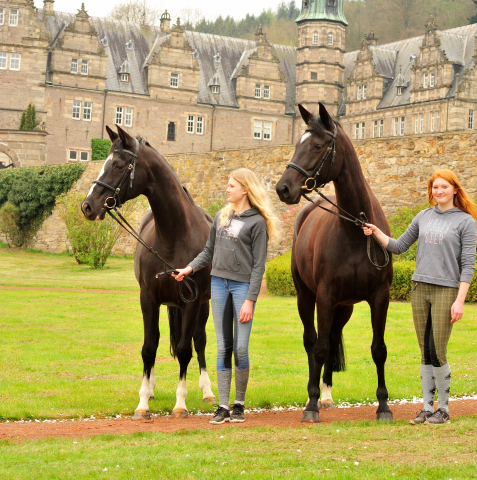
100	174
305	136
181	395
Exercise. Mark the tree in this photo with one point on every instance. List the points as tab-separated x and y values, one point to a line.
135	11
28	121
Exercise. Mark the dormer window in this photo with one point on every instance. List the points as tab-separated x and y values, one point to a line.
13	21
84	67
315	38
330	38
124	72
124	77
215	89
130	45
399	90
432	80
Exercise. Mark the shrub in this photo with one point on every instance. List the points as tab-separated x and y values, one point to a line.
9	223
28	120
100	148
212	207
33	191
402	285
91	242
278	276
399	224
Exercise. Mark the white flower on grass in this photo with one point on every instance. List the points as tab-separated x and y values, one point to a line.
299	451
242	472
356	463
105	469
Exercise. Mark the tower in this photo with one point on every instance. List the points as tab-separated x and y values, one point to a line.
320	55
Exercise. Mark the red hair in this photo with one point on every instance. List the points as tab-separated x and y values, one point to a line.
461	198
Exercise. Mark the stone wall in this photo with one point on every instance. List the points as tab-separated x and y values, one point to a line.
24	148
396	168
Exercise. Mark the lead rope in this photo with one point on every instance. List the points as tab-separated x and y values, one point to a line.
371	249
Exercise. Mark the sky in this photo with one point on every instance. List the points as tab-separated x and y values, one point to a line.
210	9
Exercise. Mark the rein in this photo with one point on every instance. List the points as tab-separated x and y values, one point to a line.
360	222
190	283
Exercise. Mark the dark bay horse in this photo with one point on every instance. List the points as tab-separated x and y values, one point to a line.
177	230
330	265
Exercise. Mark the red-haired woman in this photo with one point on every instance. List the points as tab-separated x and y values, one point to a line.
444	268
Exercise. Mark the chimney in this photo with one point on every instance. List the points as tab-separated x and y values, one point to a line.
48	7
166	22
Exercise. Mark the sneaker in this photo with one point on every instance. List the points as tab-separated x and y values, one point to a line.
237	413
422	417
221	415
439	418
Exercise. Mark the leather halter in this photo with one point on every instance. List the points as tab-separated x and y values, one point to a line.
310	182
128	173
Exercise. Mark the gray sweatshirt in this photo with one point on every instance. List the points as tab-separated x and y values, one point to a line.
446	249
237	250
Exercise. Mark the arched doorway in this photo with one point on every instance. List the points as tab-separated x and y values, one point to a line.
8	157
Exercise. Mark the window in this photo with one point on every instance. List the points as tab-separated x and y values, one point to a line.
171	132
74	65
87	109
401	132
381	128
190	124
378	128
315	38
15	59
331	3
399	90
73	155
174	80
84	156
257	129
330	39
437	121
426	80
76	110
13	22
303	40
119	116
432	121
314	75
84	67
266	91
421	123
2	16
362	130
416	123
215	89
396	126
267	130
471	119
128	117
200	125
124	77
3	60
375	129
358	94
356	130
432	80
365	89
258	90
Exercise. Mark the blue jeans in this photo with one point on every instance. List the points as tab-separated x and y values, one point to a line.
228	296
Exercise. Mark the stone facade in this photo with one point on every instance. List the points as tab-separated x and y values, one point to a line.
397	171
22	148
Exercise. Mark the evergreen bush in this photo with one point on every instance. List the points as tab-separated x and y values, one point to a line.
278	276
28	120
402	284
33	191
9	223
100	149
91	242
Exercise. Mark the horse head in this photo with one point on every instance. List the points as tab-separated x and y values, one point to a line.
314	162
120	179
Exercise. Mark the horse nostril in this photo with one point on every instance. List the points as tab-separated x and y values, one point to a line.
283	192
85	208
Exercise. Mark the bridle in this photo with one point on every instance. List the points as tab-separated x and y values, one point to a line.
310	185
190	283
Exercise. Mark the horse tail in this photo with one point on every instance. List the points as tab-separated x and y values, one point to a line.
339	362
175	327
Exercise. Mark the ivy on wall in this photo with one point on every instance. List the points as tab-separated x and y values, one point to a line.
33	190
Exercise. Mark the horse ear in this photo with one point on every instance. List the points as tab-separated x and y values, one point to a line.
305	114
325	117
112	135
126	139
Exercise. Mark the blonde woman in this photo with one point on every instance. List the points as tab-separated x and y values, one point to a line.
444	268
237	248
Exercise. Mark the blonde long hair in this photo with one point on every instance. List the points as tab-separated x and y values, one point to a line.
258	198
461	198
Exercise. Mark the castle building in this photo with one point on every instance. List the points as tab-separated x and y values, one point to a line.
192	92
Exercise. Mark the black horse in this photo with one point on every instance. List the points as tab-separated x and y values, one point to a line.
177	230
330	264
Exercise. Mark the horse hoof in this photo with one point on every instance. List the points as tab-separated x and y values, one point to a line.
326	404
179	413
385	416
209	400
142	415
310	416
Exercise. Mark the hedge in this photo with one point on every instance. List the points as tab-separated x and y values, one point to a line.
280	282
100	148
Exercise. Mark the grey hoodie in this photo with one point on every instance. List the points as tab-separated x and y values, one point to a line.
446	249
237	250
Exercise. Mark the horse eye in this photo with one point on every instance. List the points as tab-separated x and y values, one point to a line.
317	147
118	166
